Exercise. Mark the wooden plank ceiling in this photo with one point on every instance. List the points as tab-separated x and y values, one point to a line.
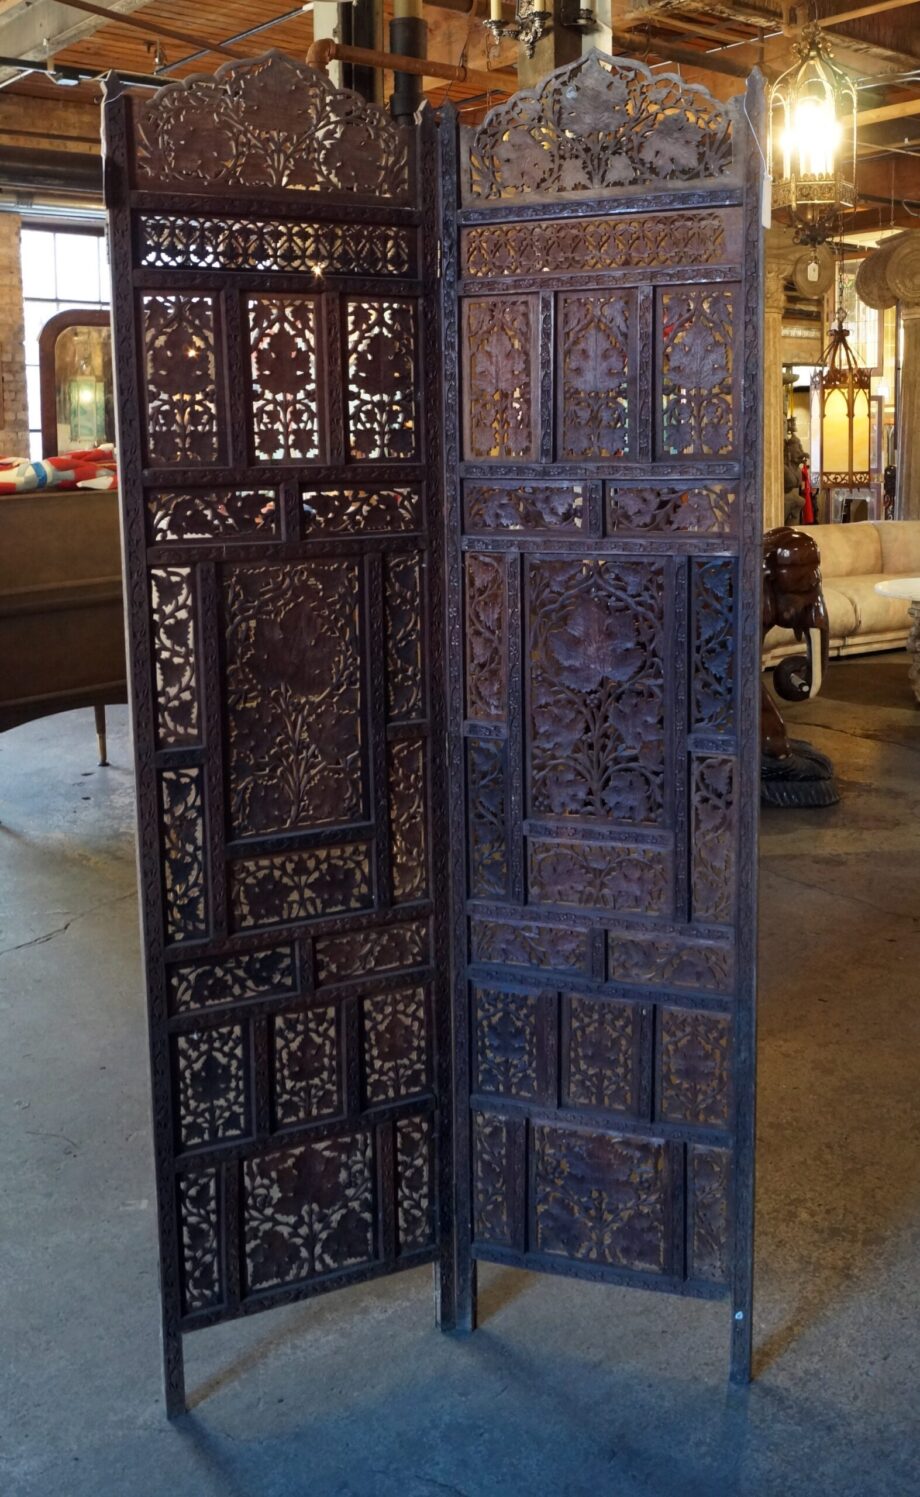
127	48
878	40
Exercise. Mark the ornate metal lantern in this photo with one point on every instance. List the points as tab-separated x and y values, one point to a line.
813	141
841	402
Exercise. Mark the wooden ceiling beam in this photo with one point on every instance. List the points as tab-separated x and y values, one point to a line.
680	23
828	23
900	111
153	28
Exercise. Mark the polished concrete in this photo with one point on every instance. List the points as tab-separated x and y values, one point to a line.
567	1388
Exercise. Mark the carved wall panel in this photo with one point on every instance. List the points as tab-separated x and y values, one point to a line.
283	363
288	681
597	372
180	369
293	688
499	374
604	543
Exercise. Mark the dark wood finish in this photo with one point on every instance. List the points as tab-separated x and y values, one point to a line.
314	880
604	609
278	379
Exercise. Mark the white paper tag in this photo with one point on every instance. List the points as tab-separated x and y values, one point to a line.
814	270
766	201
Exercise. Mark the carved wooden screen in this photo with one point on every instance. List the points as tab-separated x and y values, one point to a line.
278	384
602	343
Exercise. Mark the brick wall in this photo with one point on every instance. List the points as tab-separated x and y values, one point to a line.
14	418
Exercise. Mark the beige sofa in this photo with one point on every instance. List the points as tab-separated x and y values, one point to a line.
853	559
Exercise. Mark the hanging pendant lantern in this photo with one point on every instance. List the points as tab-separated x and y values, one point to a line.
813	142
841	403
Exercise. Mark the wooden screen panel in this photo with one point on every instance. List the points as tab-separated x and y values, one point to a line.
277	358
604	596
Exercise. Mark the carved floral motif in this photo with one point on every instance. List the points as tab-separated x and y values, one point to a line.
597	124
293	685
600	1198
697	371
180	367
308	1210
597	689
271	123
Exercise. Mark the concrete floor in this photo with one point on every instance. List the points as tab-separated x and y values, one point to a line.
568	1388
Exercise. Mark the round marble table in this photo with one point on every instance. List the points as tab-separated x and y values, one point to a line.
907	587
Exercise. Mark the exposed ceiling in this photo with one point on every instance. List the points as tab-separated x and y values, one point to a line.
878	41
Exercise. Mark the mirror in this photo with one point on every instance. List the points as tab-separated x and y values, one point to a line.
77	386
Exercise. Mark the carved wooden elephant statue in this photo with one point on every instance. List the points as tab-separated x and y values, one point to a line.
792	772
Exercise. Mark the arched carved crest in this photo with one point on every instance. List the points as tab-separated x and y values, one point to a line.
270	123
601	122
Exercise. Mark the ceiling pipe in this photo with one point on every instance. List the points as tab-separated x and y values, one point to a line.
326	50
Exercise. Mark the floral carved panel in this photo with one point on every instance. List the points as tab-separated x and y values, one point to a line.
199	1230
596	644
206	242
395	1045
599	124
507	1043
306	1083
232	979
713	840
697	371
486	637
180	367
308	1210
602	1054
270	123
173	618
294	696
408	820
282	888
561	246
499	375
494	1160
384	950
713	644
601	1197
525	507
693	1060
211	1074
182	812
381	381
709	1180
596	382
285	398
224	514
711	510
414	1184
403	630
488	818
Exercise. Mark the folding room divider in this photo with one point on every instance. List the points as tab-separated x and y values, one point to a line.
440	457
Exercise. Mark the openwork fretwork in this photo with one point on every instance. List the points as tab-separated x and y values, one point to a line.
285	417
596	126
552	249
270	123
204	243
443	571
288	681
604	542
